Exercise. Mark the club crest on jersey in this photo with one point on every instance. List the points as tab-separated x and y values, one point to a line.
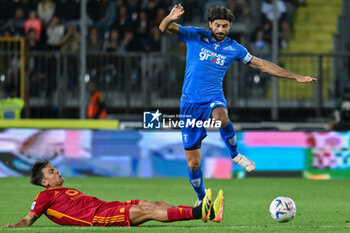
213	57
216	46
185	136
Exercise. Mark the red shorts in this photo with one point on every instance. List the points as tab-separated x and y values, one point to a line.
114	213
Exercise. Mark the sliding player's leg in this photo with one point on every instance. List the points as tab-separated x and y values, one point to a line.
139	214
158	204
216	214
162	204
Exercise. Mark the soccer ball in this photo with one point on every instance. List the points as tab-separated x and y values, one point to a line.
283	209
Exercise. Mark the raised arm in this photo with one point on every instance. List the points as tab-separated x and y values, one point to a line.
24	222
167	24
275	70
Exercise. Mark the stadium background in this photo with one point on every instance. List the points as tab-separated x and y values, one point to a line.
283	126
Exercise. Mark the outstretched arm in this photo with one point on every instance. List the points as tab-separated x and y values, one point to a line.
167	24
24	222
275	70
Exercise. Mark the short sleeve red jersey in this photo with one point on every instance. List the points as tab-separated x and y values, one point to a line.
66	206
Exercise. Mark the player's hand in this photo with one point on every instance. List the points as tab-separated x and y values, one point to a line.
6	226
306	79
176	12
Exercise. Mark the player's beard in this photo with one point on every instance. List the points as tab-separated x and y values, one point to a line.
219	37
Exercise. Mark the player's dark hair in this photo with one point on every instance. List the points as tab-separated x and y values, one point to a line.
36	174
218	12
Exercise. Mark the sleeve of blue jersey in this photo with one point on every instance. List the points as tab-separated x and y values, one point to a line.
188	33
243	55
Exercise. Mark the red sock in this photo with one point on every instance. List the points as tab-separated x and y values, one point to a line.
178	214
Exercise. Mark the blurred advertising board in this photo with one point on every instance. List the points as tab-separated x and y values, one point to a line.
145	154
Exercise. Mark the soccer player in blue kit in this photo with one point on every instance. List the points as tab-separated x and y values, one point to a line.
209	54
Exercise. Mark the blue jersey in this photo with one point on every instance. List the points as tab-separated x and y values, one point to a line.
206	64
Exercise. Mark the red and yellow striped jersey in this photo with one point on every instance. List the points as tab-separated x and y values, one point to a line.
66	206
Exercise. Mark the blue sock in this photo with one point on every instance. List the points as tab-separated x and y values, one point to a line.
196	180
228	134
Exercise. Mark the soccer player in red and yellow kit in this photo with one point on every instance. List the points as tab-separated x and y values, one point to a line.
68	206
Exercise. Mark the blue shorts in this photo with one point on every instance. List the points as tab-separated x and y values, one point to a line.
192	136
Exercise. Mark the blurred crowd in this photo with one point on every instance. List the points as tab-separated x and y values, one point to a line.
261	38
112	25
126	25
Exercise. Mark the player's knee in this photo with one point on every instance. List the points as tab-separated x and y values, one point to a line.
220	114
147	209
194	165
193	160
160	203
223	119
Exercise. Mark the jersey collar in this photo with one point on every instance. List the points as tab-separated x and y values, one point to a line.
217	45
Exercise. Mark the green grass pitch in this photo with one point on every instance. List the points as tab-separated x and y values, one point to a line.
322	206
